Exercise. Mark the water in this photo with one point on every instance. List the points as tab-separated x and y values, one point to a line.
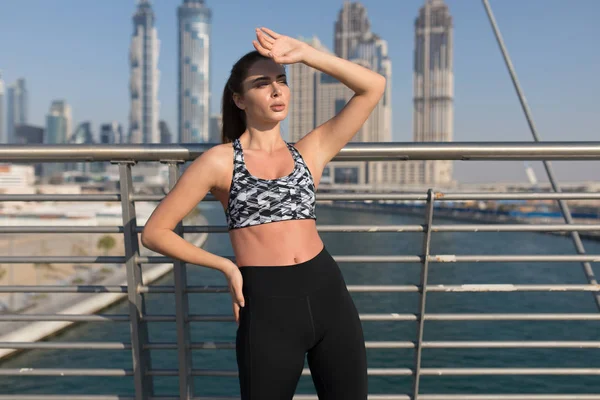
370	244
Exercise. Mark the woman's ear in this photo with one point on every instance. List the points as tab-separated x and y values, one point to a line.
239	101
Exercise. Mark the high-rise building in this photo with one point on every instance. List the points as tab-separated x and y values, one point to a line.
317	97
82	135
28	134
144	80
433	116
351	26
216	124
58	125
111	133
194	19
17	108
355	41
165	133
3	139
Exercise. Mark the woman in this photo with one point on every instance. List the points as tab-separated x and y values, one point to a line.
289	296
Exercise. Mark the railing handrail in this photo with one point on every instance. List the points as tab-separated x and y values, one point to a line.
366	151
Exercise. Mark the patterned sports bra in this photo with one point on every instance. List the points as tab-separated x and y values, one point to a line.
255	201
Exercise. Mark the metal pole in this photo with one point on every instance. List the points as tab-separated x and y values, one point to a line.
555	186
186	380
143	382
423	292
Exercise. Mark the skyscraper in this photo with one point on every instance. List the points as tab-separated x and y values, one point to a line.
17	108
144	80
194	72
58	123
355	41
433	115
351	26
111	133
58	126
3	139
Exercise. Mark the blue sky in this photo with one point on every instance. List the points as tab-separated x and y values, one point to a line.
77	50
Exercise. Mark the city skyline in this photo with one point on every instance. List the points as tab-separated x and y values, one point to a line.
480	115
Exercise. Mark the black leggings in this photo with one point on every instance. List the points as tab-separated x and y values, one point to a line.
291	311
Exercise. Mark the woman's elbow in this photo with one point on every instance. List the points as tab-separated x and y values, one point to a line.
380	84
146	237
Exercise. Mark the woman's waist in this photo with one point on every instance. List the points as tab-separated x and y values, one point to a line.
292	280
272	245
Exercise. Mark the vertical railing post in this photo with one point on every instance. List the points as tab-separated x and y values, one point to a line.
186	381
423	293
137	310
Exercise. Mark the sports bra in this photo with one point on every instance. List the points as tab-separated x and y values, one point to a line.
255	201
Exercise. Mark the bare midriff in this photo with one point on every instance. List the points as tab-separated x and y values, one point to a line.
283	243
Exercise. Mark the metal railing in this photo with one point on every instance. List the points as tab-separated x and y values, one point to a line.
174	155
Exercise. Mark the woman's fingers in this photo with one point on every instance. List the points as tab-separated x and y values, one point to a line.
236	313
264	42
270	32
260	49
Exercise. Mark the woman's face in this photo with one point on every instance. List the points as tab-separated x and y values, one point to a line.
266	95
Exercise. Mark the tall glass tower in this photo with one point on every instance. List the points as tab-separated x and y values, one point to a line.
194	72
434	84
144	79
17	110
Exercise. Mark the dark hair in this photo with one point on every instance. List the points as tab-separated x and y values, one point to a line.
234	119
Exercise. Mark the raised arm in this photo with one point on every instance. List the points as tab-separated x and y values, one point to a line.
325	141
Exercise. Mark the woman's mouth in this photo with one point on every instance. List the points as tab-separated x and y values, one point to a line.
278	107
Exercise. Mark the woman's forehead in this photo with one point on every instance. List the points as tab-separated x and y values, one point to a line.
265	68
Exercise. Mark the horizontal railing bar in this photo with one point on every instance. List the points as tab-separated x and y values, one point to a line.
397	288
364	317
513	345
516	228
325	196
65	372
439	258
61	229
509	397
63	289
327	228
435	317
65	317
314	397
66	345
305	371
369	344
409	372
456	196
512	288
508	371
481	317
366	151
62	260
444	258
513	317
60	197
64	397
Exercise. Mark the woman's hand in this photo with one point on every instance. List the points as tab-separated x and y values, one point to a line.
280	48
235	282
